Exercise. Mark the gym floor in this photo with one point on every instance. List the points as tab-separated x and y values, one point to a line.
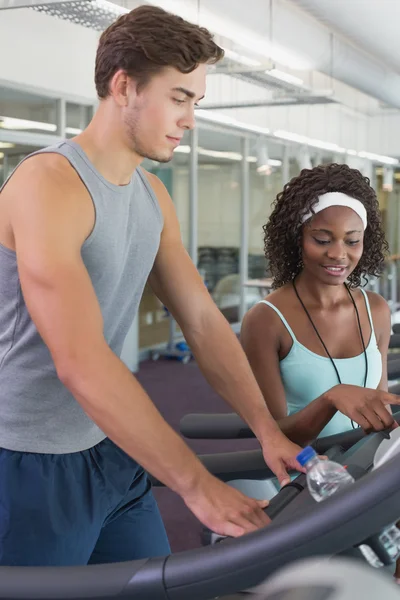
176	390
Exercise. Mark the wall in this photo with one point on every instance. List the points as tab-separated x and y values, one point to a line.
44	52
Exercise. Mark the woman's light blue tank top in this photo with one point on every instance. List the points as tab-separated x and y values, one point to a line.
306	375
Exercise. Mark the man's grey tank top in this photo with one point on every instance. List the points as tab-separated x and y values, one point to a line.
37	412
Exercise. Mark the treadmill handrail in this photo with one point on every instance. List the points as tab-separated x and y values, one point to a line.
227	466
222	426
214	426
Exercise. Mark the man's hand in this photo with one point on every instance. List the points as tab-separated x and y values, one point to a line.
365	406
224	510
280	455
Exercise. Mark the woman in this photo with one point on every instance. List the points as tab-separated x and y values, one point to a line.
320	336
319	329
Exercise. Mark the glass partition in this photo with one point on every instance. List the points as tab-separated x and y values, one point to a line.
78	117
263	191
154	320
23	111
10	156
219	201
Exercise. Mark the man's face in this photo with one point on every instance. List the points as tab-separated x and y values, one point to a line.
156	118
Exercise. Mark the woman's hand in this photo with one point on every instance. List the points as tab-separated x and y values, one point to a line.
365	406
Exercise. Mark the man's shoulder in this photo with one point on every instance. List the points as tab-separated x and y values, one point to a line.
43	172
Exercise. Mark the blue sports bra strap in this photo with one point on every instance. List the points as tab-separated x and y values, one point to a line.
282	318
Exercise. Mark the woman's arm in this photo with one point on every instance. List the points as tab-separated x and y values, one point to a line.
261	336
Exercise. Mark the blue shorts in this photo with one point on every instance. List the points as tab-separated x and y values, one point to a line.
88	507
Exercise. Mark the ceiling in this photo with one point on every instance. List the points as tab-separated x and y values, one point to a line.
365	54
373	25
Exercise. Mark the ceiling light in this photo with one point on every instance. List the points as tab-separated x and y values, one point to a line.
352	152
182	150
12	123
6	145
277	74
73	130
222	154
214	117
23	124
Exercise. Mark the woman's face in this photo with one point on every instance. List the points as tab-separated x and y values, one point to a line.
332	244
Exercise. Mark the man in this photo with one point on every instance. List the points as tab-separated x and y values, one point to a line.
82	227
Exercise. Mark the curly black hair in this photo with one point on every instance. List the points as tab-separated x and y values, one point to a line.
283	232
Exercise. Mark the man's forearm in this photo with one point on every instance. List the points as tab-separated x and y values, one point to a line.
117	403
225	366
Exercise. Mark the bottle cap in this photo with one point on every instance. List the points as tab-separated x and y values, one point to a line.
305	455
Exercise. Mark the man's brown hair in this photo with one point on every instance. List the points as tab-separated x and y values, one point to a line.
147	39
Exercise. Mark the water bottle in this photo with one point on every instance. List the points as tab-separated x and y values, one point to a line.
324	478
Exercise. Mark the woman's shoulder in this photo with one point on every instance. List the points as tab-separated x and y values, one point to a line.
380	312
377	303
262	316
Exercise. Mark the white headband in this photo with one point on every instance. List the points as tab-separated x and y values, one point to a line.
338	199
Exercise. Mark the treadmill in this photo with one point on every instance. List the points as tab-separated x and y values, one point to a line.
238	568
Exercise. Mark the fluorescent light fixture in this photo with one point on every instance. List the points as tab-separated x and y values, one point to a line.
221	154
386	160
352	152
6	145
22	124
277	74
240	58
182	150
12	123
213	117
1	155
73	130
